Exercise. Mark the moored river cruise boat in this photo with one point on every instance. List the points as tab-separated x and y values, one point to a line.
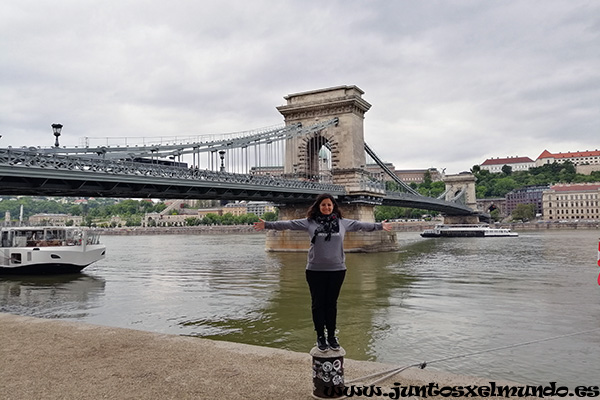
467	230
48	250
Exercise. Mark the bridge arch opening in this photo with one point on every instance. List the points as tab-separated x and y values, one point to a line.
319	163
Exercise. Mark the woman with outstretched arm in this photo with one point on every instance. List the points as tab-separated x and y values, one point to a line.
326	268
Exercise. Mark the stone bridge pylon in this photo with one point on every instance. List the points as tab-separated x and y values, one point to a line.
347	164
345	141
462	184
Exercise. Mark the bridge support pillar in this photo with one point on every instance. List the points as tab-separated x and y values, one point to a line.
461	219
455	184
354	242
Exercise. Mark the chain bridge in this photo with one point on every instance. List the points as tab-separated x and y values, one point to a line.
320	148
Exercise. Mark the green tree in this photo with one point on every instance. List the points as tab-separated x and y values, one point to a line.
211	219
426	180
192	221
502	186
228	219
270	216
248	219
133	220
523	212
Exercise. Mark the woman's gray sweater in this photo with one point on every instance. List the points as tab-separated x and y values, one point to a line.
325	255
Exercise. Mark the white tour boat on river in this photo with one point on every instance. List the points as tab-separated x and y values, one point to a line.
467	230
48	250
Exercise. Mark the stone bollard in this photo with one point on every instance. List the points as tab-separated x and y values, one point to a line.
328	373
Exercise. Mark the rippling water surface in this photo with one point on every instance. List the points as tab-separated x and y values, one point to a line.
435	298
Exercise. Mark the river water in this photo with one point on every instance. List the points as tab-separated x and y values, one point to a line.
432	299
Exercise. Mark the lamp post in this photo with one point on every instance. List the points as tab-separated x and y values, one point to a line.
56	128
222	155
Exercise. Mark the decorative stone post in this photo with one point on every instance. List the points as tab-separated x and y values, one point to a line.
328	373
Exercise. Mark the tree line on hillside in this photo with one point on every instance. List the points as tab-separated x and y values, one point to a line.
490	185
501	183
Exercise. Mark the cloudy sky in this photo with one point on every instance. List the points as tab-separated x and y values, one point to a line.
451	83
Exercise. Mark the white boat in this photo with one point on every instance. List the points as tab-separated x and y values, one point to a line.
467	230
48	250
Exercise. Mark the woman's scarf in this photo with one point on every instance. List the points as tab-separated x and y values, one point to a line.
327	224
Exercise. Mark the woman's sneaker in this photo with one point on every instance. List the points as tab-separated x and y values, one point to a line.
322	343
333	343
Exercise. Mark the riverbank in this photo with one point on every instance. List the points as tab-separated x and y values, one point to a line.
179	230
53	359
397	226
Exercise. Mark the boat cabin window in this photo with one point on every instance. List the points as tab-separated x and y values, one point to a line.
5	239
54	234
15	258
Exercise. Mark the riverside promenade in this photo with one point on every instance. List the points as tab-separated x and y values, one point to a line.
54	359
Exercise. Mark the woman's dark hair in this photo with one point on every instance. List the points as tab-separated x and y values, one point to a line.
314	211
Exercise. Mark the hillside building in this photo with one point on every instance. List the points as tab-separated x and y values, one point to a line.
577	157
494	165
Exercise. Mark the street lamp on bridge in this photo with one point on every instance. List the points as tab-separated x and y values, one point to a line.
56	128
222	155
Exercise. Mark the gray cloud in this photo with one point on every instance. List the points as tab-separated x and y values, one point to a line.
451	82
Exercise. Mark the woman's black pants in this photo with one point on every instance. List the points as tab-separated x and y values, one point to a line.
324	288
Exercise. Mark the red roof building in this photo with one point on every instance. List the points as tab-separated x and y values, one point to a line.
576	157
517	163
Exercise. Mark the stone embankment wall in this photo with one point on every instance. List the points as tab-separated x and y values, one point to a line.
544	225
398	227
179	230
520	226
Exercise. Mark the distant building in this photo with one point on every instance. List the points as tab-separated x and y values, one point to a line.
494	165
572	202
236	208
166	219
54	219
259	208
418	175
526	195
578	157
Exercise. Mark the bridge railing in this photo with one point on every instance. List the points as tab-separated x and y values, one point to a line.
28	159
373	186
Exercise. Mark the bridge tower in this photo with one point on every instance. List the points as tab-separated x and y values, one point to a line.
346	143
455	184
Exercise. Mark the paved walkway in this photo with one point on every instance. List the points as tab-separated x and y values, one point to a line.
53	359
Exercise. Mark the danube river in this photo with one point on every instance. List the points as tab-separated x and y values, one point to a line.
432	299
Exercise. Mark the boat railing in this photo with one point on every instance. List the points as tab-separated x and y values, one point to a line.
47	237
